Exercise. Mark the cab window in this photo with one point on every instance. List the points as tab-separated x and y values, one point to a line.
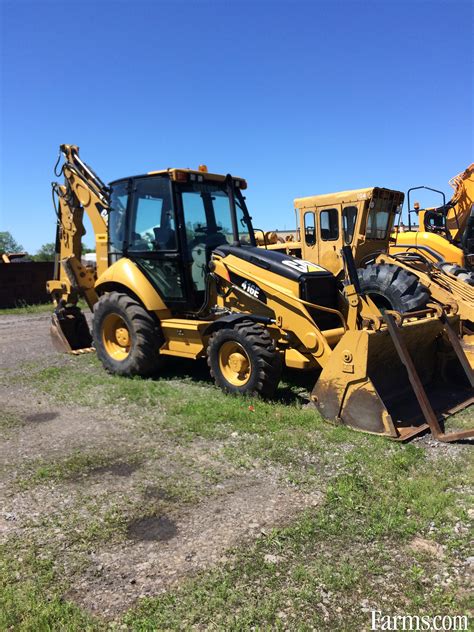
349	217
377	221
152	226
309	229
329	224
117	217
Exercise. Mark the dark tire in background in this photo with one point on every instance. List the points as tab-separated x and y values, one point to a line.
392	287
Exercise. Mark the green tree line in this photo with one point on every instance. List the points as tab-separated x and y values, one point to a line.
47	251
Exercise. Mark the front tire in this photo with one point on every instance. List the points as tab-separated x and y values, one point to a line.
393	287
243	359
127	338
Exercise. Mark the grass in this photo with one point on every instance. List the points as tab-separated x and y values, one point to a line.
184	399
36	308
340	554
28	599
322	571
10	420
319	572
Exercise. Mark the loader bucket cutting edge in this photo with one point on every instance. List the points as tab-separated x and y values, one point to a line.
397	382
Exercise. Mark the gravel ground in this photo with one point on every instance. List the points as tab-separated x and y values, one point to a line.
175	538
145	511
24	338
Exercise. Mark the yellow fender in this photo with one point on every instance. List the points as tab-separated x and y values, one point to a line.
124	273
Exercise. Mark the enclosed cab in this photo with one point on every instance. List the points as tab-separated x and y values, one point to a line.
168	223
362	219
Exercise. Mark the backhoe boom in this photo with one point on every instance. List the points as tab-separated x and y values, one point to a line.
82	191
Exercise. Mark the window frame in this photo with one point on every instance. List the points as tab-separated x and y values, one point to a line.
327	210
117	249
305	226
354	206
132	215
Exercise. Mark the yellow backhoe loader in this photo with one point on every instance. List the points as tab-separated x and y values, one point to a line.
179	274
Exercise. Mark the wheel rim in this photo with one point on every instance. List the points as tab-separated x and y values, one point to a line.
234	363
116	337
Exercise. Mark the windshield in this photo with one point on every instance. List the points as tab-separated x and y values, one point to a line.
380	218
207	215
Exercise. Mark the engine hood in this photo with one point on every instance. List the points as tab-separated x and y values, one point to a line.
281	264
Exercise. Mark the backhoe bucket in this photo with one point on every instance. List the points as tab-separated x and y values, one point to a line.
70	331
397	381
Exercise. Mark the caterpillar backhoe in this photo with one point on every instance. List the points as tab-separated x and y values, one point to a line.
179	274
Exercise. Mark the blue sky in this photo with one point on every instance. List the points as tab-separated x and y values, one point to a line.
298	97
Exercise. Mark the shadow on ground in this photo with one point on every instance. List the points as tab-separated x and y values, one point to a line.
294	385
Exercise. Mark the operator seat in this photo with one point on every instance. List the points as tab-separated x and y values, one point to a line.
200	250
434	222
165	237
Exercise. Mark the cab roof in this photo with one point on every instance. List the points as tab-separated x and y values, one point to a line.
190	175
343	197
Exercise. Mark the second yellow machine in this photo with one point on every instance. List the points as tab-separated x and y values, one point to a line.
179	274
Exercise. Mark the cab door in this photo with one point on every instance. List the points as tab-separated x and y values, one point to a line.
152	239
330	238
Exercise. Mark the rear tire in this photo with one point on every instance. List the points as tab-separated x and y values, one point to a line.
127	338
392	287
244	360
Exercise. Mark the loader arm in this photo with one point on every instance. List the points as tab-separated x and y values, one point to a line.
460	206
82	191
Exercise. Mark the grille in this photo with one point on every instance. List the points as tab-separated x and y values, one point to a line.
321	290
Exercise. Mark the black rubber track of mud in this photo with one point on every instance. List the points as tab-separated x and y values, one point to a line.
265	360
400	288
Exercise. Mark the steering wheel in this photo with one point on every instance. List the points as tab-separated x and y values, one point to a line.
200	228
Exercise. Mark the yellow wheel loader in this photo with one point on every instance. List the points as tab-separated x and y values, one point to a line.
364	219
179	274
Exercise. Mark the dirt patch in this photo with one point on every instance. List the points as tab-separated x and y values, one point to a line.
121	468
180	532
166	548
26	337
427	546
157	528
49	435
40	417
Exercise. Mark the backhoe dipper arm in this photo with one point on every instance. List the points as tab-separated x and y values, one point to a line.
82	191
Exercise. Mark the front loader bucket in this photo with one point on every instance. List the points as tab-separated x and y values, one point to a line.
397	381
70	331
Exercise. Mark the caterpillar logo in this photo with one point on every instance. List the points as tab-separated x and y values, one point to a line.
302	266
